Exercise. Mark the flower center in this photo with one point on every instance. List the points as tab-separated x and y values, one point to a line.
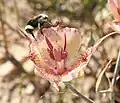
58	54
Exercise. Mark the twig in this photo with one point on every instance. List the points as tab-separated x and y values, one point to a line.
78	93
103	38
101	75
114	78
106	91
98	43
116	69
16	63
16	10
3	29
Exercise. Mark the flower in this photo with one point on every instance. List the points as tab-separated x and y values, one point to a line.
114	6
56	54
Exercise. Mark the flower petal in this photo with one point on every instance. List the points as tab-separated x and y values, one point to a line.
114	8
73	45
47	77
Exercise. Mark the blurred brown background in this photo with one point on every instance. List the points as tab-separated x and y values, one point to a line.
18	84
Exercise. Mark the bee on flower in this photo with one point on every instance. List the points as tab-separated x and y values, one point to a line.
56	54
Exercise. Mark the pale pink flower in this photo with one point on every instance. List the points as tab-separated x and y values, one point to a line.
114	6
56	54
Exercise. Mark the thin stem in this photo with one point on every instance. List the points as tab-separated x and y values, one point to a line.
116	69
78	93
114	78
101	75
17	11
3	28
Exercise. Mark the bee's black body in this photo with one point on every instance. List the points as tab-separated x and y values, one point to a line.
33	23
36	22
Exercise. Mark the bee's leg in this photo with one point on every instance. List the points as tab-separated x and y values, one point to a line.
50	24
39	25
41	32
33	36
30	31
40	28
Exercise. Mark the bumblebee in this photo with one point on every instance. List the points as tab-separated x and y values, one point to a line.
39	22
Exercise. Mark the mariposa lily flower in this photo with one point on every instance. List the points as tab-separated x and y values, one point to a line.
114	6
56	54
